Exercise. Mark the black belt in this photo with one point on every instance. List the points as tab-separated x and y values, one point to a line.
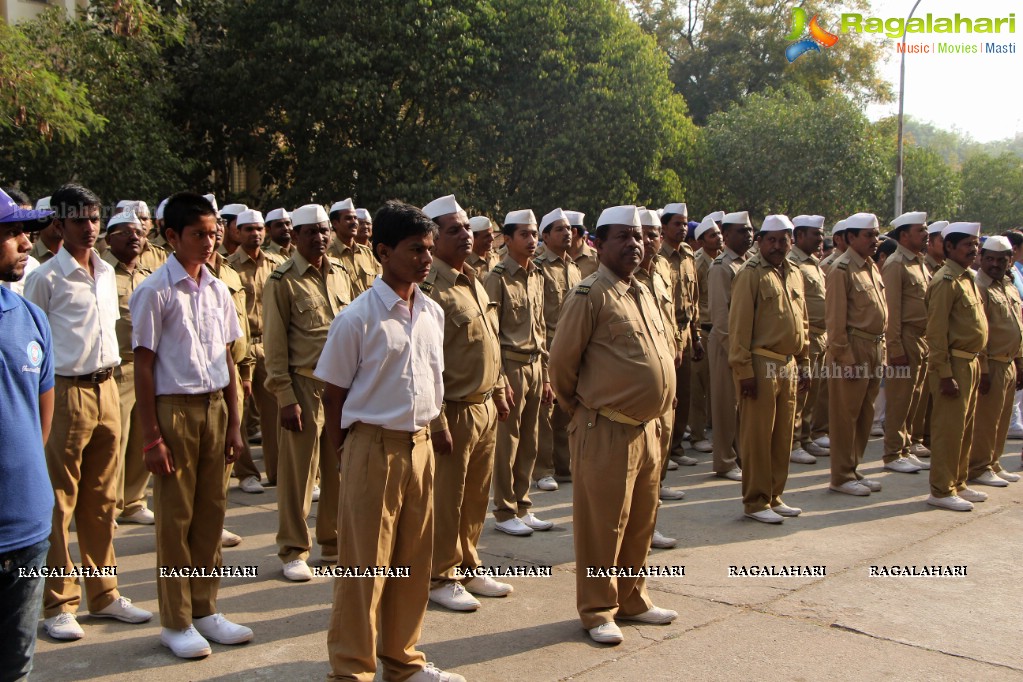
97	377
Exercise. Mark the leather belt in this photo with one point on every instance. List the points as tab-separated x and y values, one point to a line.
962	354
97	377
256	340
876	338
474	398
306	372
818	330
525	358
616	416
1000	358
763	352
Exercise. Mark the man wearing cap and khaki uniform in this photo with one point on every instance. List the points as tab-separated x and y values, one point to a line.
278	232
708	236
768	334
360	263
300	300
584	255
613	371
1001	364
482	259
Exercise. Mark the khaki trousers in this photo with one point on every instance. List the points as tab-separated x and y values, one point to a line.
699	400
301	453
765	434
461	485
667	421
81	457
922	418
133	477
190	504
683	379
903	396
819	420
851	408
994	412
385	519
269	413
802	433
614	507
723	405
552	455
952	428
244	466
515	453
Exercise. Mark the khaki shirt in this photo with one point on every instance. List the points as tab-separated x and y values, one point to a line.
40	252
612	350
719	280
299	303
905	286
152	257
855	300
685	288
254	273
360	264
472	349
656	281
828	262
767	312
560	276
703	263
240	351
932	265
1002	307
813	288
482	266
587	261
285	252
955	318
127	280
518	293
159	242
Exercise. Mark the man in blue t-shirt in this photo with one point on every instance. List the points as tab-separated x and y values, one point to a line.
26	497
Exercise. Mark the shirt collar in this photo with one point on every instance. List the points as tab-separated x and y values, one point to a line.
732	254
906	253
801	256
390	298
68	264
8	300
956	269
177	272
448	273
854	257
512	268
621	288
985	281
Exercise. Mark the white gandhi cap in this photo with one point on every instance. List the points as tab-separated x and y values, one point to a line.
310	214
438	207
619	215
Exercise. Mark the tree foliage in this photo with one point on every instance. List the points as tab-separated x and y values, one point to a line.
993	191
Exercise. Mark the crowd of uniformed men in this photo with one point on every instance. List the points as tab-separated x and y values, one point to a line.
561	362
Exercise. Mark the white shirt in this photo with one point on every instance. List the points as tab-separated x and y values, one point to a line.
82	311
390	358
188	325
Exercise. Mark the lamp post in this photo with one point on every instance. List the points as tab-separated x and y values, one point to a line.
902	95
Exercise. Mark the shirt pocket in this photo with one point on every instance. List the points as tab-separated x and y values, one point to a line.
472	321
627	338
313	313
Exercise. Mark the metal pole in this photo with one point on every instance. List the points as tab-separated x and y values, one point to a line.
902	95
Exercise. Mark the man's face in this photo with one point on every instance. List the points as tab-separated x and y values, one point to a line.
864	242
711	240
364	231
345	224
251	235
146	220
622	251
454	238
408	262
280	231
810	239
675	229
522	244
233	231
936	246
14	248
964	252
196	242
311	240
737	237
995	264
80	228
914	238
125	241
482	241
559	236
578	235
774	245
651	243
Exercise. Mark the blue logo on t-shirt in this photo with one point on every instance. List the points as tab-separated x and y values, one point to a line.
35	354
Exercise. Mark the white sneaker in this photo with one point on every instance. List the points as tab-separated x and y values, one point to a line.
659	541
919	450
851	488
1015	432
823	441
785	510
485	586
672	464
536	524
143	517
454	597
877	429
122	610
547	483
187	643
297	571
990	478
952	503
924	466
685	460
801	456
251	484
63	626
316	493
971	495
870	484
1008	476
229	539
816	450
903	466
654	616
703	446
733	475
513	526
671	494
607	633
218	629
431	673
765	516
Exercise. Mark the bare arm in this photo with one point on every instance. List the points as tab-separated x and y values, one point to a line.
333	405
159	459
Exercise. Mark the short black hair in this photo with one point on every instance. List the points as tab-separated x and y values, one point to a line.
897	233
509	229
70	199
17	196
887	247
852	232
396	221
184	209
953	240
1015	237
666	217
334	214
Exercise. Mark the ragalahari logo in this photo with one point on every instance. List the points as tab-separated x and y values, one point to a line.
817	38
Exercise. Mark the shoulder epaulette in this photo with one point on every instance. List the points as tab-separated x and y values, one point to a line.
337	262
949	276
538	261
281	269
720	259
499	268
426	287
841	264
276	275
582	289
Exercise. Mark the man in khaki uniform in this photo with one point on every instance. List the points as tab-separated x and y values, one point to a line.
708	237
300	300
935	256
482	258
360	263
933	260
560	275
737	235
808	234
584	255
838	237
612	368
957	334
254	266
819	418
229	215
124	246
1001	364
465	432
768	336
49	239
905	280
516	286
279	234
856	317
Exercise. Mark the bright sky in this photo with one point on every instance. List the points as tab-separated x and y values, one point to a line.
979	94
